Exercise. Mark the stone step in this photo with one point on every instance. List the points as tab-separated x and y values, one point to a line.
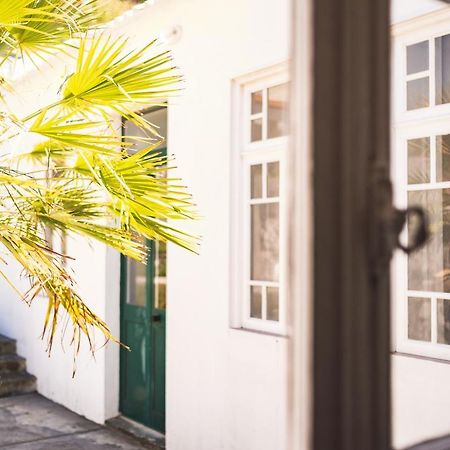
17	383
7	346
12	364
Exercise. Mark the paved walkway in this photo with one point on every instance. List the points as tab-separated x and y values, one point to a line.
31	422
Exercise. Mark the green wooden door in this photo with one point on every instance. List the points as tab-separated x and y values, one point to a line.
143	318
143	329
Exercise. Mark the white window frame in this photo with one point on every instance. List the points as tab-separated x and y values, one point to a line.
244	154
430	121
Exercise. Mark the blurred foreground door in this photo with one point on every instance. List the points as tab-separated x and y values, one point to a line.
356	228
353	225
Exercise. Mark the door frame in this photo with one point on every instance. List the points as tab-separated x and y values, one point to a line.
351	160
351	128
123	288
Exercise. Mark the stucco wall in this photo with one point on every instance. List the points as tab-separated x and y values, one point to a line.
225	387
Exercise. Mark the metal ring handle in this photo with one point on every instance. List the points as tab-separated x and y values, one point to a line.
420	234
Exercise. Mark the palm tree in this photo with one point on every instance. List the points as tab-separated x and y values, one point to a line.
85	178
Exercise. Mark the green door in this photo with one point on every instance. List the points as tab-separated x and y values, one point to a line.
143	327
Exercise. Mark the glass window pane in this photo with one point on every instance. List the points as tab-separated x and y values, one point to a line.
273	179
443	321
257	102
442	69
418	92
278	98
158	118
265	242
136	282
419	319
443	158
419	160
256	181
429	267
160	262
272	312
417	57
256	131
256	302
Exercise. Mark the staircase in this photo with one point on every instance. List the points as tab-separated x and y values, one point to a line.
14	379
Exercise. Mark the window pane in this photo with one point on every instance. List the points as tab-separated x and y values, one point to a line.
429	267
136	281
443	158
256	181
256	302
273	179
264	242
419	161
160	262
442	70
158	118
272	312
417	57
278	97
256	132
256	102
418	92
443	321
419	319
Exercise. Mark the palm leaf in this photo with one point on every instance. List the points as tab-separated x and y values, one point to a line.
84	178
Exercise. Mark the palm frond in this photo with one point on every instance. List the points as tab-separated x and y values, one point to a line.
43	26
108	77
84	178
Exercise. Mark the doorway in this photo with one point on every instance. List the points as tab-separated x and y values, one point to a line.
143	321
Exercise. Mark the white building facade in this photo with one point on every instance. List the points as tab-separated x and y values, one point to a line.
225	346
214	368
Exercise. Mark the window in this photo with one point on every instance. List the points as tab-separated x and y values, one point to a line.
427	72
421	169
259	202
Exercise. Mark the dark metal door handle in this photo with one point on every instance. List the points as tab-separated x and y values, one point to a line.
418	232
386	223
156	318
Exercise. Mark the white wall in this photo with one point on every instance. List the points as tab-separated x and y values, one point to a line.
407	9
225	387
421	399
93	392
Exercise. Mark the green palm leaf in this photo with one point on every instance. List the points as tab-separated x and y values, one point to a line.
84	178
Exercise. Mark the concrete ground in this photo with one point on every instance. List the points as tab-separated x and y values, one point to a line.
31	422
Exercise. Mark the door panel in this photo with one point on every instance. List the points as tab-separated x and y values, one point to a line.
143	327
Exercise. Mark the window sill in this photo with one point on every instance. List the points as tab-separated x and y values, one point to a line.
425	358
260	332
442	443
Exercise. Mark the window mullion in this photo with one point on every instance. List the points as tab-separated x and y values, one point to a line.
265	113
432	70
433	179
434	319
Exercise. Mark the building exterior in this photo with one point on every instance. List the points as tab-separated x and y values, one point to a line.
208	332
421	123
208	365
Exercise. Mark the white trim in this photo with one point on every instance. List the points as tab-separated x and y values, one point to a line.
419	24
400	291
243	154
300	227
